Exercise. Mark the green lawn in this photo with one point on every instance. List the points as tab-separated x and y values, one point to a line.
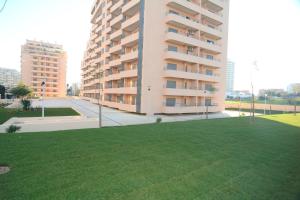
7	113
226	159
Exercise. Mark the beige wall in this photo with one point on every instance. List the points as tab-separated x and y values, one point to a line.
284	108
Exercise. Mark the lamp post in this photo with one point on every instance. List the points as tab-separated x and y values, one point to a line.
266	95
240	99
43	95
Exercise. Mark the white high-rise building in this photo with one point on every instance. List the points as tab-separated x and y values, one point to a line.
230	76
9	78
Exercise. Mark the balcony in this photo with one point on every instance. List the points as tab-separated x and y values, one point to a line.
214	5
185	6
121	90
130	40
115	49
186	39
128	57
116	35
116	6
132	23
191	75
114	63
214	31
131	7
190	91
190	109
218	16
122	74
116	22
192	58
182	21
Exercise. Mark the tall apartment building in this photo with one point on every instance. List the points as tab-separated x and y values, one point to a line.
9	78
41	61
230	76
157	56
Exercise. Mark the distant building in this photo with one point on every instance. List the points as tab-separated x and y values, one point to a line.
272	92
9	78
230	76
294	88
41	61
243	94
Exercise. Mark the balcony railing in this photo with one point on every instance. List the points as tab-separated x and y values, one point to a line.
195	54
195	21
194	36
191	71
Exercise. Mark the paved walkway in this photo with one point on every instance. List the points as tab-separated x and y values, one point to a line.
89	117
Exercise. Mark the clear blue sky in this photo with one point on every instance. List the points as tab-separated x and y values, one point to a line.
263	30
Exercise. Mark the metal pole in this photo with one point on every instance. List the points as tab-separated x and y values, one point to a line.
240	106
206	112
265	104
43	96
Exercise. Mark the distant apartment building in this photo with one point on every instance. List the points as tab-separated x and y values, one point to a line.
294	88
230	76
44	62
9	78
157	56
271	92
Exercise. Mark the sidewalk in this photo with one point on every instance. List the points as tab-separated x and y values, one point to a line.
89	118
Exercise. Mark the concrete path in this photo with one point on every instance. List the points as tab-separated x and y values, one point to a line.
89	117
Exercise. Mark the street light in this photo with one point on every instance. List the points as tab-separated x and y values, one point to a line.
43	94
266	95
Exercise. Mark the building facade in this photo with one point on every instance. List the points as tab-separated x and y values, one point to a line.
157	56
9	78
230	76
294	88
44	62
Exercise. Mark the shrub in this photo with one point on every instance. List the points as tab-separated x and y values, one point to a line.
13	129
26	104
158	120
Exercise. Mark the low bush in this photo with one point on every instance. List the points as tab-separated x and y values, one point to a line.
13	129
158	120
26	104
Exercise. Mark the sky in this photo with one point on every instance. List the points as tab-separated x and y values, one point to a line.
266	31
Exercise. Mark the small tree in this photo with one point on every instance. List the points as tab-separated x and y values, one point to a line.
21	91
2	92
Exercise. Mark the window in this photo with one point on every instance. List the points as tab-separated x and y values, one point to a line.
210	42
172	48
209	72
173	12
171	66
173	30
171	84
208	87
171	102
208	102
210	57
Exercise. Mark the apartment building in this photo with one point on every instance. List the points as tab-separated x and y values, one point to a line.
44	62
157	56
9	78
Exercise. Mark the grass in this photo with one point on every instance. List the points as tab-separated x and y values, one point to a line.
7	113
226	159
